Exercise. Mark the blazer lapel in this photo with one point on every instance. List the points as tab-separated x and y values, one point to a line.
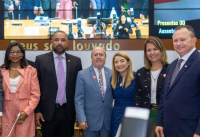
94	78
68	67
52	66
184	68
5	74
21	71
108	82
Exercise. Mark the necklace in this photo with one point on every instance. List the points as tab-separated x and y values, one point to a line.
14	68
154	79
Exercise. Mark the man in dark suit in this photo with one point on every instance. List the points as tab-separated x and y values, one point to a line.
50	7
83	7
57	73
29	8
140	8
179	110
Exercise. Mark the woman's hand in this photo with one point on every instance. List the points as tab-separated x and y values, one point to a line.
126	29
0	124
22	118
120	27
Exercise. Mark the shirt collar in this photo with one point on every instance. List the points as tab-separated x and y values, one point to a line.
55	55
186	56
97	68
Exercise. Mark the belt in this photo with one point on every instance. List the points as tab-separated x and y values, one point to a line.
60	106
154	107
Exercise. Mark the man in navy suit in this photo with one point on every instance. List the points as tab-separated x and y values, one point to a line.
179	110
93	97
29	8
140	8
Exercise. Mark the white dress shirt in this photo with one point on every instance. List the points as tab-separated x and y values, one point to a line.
186	56
56	61
104	78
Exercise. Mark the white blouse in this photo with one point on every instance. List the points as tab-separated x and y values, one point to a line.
14	83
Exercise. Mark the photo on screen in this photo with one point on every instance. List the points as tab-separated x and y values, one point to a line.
40	19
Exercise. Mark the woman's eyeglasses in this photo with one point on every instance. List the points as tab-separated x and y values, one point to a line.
12	52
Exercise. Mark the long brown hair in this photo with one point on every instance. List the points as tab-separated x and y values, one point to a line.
115	73
159	45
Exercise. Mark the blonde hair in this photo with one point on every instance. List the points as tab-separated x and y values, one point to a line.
115	74
159	45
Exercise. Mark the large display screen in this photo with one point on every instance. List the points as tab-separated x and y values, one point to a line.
39	19
168	14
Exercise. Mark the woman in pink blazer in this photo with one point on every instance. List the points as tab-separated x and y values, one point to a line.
21	93
65	11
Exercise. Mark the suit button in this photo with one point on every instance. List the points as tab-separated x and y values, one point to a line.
9	92
166	99
9	97
17	96
17	91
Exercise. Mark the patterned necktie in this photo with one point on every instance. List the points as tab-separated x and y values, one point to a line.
101	82
61	82
176	70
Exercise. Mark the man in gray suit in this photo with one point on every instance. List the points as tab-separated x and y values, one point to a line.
93	97
49	7
8	7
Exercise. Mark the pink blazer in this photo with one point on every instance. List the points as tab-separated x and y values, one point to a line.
27	88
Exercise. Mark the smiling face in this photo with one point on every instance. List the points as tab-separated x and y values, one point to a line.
15	55
152	52
98	57
183	42
121	64
59	43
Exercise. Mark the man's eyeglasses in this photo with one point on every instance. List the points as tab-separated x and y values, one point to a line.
12	52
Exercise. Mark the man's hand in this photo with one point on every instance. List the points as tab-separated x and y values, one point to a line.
41	11
17	3
11	9
123	9
195	135
129	12
120	27
57	8
35	10
22	118
159	131
94	8
83	125
126	29
142	16
74	4
38	116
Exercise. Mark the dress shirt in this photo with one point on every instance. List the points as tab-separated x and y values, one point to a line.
56	61
186	56
104	78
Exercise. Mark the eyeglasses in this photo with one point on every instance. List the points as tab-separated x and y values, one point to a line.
12	52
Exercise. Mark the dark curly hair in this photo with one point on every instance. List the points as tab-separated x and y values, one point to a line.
7	62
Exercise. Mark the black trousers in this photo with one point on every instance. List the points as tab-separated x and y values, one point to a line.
83	10
59	126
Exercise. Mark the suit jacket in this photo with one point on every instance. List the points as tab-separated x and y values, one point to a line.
45	4
122	33
7	4
48	84
179	112
140	7
1	92
89	103
142	97
31	4
27	88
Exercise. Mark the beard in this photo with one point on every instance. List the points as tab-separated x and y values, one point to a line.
60	51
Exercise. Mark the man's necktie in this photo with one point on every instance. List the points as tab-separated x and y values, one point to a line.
177	69
61	82
101	86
